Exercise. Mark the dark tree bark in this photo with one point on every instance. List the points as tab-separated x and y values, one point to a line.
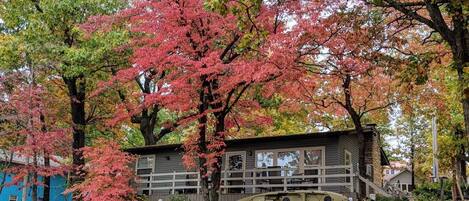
217	167
148	117
46	180
76	90
356	119
202	143
46	196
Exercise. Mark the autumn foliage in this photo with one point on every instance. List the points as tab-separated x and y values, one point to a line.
33	136
108	174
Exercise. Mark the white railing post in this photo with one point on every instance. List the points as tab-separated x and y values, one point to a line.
254	174
171	181
174	182
320	177
150	184
351	179
285	179
198	182
225	176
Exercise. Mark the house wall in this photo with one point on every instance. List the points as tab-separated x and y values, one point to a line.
334	155
403	178
58	186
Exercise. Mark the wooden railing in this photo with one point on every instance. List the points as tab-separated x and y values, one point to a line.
253	180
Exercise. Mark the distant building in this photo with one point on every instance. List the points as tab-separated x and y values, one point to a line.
398	176
15	192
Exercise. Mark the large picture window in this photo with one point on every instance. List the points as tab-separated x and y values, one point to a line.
295	158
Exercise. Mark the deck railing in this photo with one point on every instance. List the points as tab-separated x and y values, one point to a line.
253	180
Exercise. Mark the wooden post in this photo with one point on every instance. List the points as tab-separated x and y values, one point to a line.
198	183
174	182
285	180
254	173
351	178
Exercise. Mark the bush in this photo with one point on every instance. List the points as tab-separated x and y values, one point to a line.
382	198
431	191
178	198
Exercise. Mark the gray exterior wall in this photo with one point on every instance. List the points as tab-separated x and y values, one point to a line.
334	147
403	178
169	160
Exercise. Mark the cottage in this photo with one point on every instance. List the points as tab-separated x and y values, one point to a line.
401	180
324	161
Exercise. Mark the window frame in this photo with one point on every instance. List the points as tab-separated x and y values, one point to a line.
301	165
347	171
145	156
15	198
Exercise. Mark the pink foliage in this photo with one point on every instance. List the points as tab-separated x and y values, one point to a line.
108	174
34	136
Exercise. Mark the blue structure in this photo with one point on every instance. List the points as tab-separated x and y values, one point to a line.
57	187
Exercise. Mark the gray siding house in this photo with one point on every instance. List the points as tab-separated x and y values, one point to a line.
323	161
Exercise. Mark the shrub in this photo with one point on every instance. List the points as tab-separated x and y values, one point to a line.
382	198
431	191
178	198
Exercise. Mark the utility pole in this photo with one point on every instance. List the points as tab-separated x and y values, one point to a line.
435	150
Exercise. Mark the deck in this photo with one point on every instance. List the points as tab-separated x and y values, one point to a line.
241	183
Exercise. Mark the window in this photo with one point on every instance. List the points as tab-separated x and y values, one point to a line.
313	157
288	159
264	159
145	164
392	171
347	161
296	158
387	171
404	187
12	198
235	160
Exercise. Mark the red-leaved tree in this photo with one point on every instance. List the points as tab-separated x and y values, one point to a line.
108	174
38	143
209	60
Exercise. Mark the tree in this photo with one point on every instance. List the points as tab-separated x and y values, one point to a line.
350	74
449	20
108	173
208	61
36	140
48	32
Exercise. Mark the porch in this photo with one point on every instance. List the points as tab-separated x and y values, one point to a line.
336	178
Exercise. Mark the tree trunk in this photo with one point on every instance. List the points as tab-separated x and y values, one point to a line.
412	164
46	196
216	167
34	179
356	119
34	187
77	90
202	143
147	130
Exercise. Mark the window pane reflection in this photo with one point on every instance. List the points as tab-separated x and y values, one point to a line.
264	159
288	159
313	157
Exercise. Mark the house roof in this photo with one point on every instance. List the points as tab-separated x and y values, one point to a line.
368	129
235	141
16	158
